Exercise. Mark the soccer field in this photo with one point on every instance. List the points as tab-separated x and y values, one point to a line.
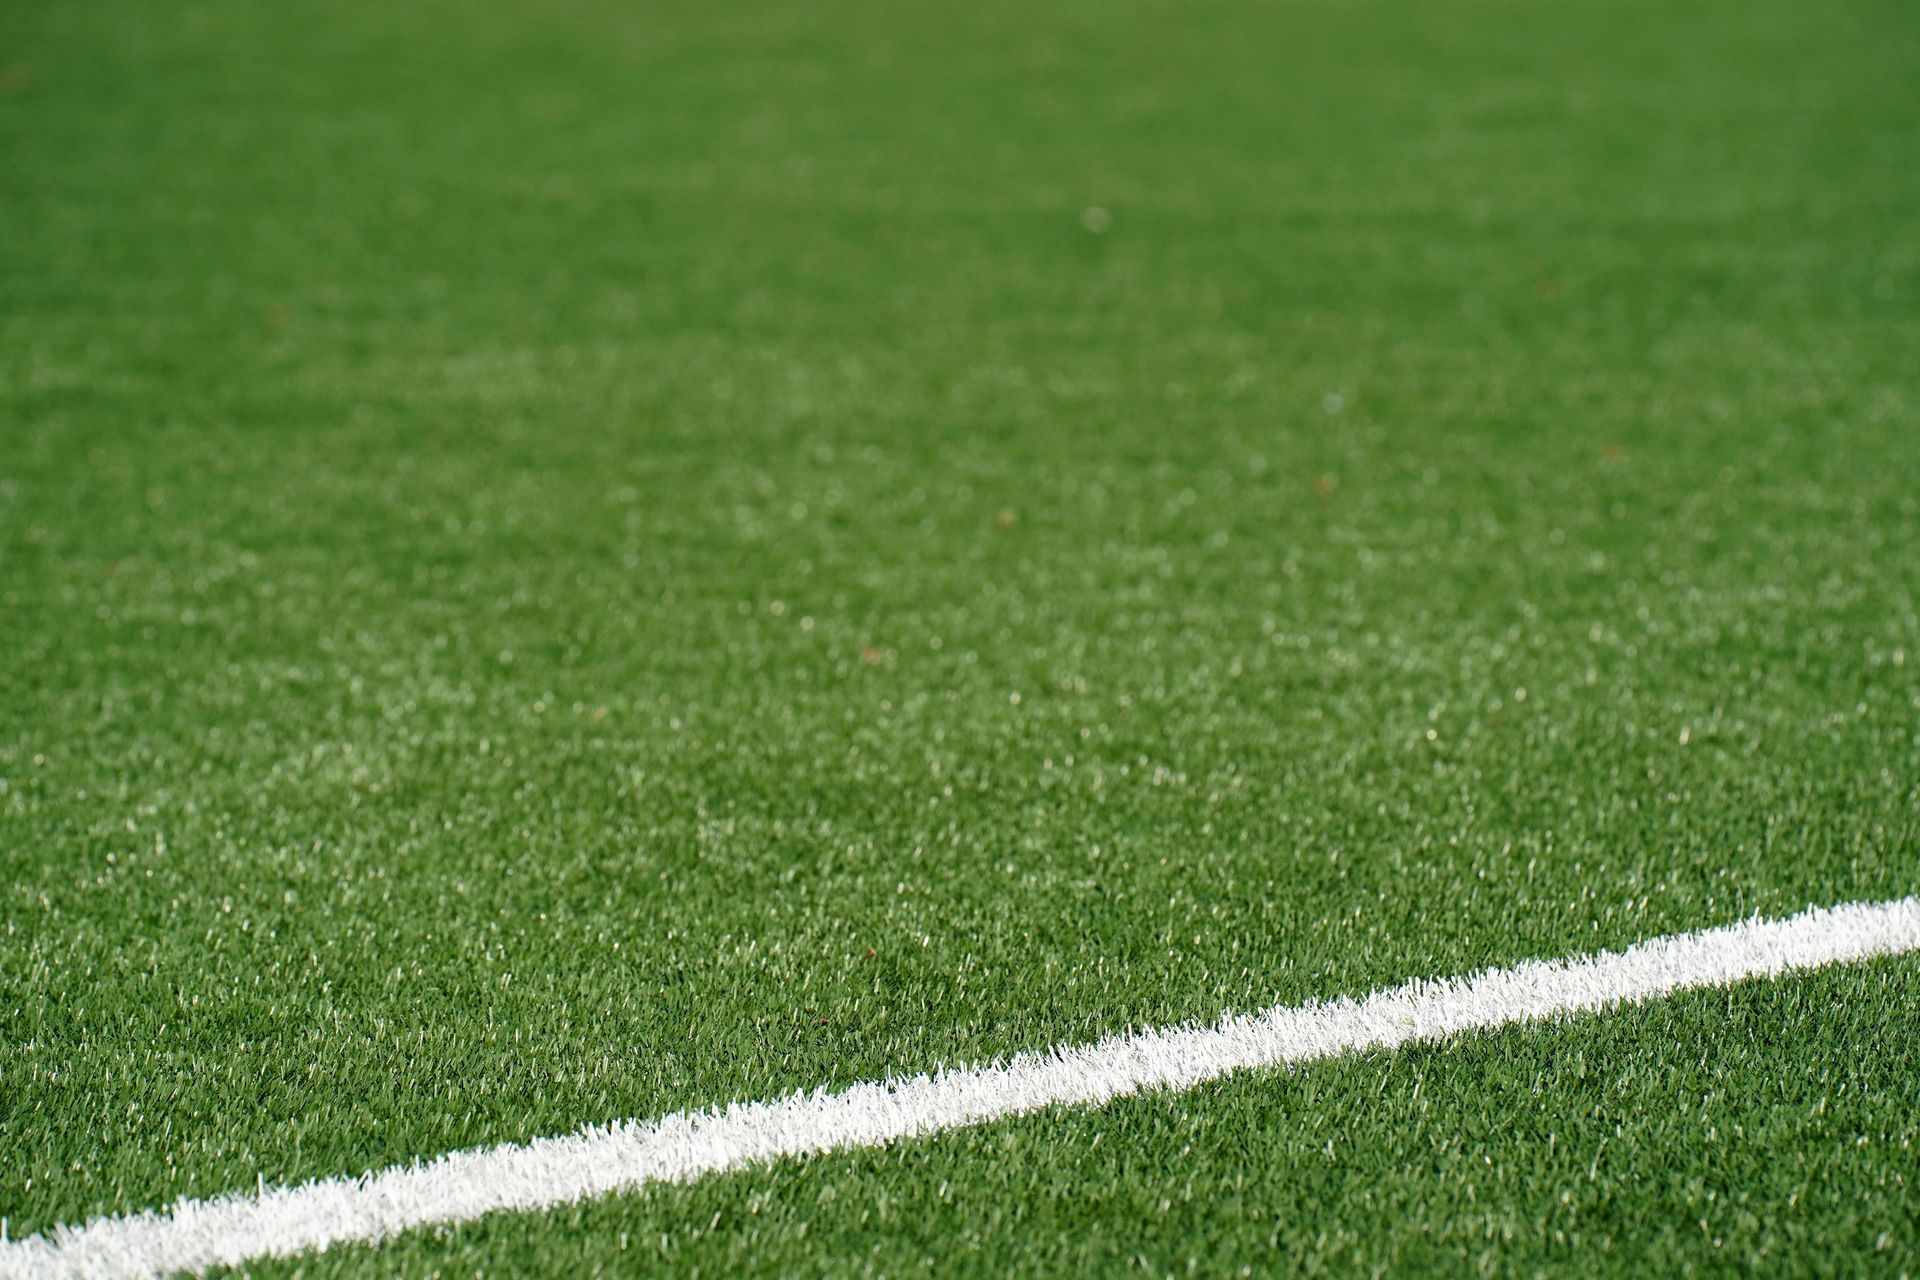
581	563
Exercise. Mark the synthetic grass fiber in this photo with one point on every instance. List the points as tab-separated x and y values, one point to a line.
570	562
552	1173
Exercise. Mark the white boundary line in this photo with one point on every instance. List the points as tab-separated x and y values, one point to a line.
279	1221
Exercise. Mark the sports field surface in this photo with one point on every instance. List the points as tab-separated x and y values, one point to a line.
578	563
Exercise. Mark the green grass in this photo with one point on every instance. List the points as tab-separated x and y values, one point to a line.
1549	1150
566	563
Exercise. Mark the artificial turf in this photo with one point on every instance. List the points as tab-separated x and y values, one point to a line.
566	562
1549	1150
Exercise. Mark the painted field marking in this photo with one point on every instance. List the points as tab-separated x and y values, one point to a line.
461	1186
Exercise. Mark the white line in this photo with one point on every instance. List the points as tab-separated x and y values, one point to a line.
280	1221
